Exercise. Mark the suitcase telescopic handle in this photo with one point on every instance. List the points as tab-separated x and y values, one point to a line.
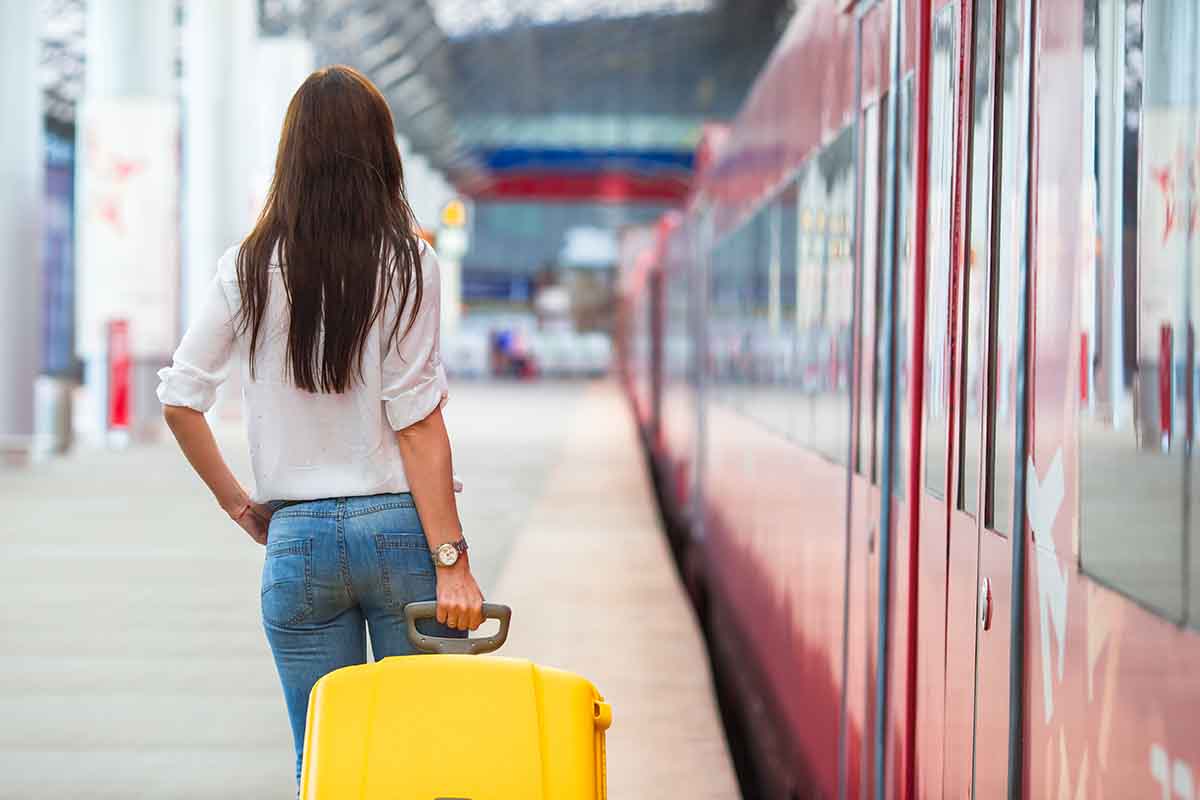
427	609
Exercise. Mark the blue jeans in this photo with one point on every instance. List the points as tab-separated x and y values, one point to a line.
330	566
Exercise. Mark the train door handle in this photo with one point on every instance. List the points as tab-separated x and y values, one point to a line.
985	604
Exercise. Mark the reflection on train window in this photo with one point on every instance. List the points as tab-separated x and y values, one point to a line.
1137	339
869	302
783	334
943	93
904	290
902	314
678	345
801	403
760	321
724	316
978	257
835	170
1010	232
779	328
789	226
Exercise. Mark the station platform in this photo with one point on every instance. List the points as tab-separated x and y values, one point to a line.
134	664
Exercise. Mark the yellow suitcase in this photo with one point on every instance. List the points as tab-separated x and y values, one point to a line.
454	726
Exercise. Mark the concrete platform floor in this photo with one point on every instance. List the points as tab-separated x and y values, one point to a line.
133	664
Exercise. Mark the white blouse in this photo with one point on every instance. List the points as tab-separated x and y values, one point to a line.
307	446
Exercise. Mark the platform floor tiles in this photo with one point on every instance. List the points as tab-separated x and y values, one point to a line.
133	664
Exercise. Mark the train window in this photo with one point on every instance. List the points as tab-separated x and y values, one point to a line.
808	316
806	298
1137	345
785	209
1009	233
902	319
835	167
904	290
679	354
723	319
978	257
774	271
784	336
750	273
869	299
763	403
942	96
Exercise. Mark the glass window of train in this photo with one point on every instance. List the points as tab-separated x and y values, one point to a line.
763	297
943	95
1012	145
808	317
739	262
806	299
978	257
778	349
904	289
680	346
786	336
872	155
836	167
749	261
735	255
1138	413
902	319
821	388
722	318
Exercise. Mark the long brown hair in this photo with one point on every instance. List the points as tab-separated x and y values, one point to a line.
338	223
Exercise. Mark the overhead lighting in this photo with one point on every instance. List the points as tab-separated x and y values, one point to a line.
395	71
382	52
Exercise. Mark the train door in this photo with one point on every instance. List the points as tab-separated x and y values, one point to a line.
885	325
861	587
971	403
879	160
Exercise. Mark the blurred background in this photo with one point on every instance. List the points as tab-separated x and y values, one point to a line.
139	136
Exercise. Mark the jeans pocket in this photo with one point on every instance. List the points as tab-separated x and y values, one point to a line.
287	581
405	568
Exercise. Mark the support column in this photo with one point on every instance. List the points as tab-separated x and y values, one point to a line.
127	201
22	163
218	42
231	129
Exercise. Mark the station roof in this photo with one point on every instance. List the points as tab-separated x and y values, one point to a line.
566	99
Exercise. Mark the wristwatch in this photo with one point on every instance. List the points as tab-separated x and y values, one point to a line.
446	555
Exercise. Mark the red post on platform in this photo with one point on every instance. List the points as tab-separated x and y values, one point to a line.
119	369
1083	366
1190	361
1166	365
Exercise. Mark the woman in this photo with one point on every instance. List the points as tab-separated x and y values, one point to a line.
330	309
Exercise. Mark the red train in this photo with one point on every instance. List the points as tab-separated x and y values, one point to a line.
916	369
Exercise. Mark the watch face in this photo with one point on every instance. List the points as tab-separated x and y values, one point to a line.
447	555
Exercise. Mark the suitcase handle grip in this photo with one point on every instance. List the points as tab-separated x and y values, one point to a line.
427	609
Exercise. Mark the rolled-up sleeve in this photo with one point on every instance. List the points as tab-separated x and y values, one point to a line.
201	363
414	379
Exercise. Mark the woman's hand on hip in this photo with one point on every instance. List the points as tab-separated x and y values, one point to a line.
254	519
459	600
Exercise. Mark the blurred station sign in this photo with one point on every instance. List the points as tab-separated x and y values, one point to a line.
505	287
